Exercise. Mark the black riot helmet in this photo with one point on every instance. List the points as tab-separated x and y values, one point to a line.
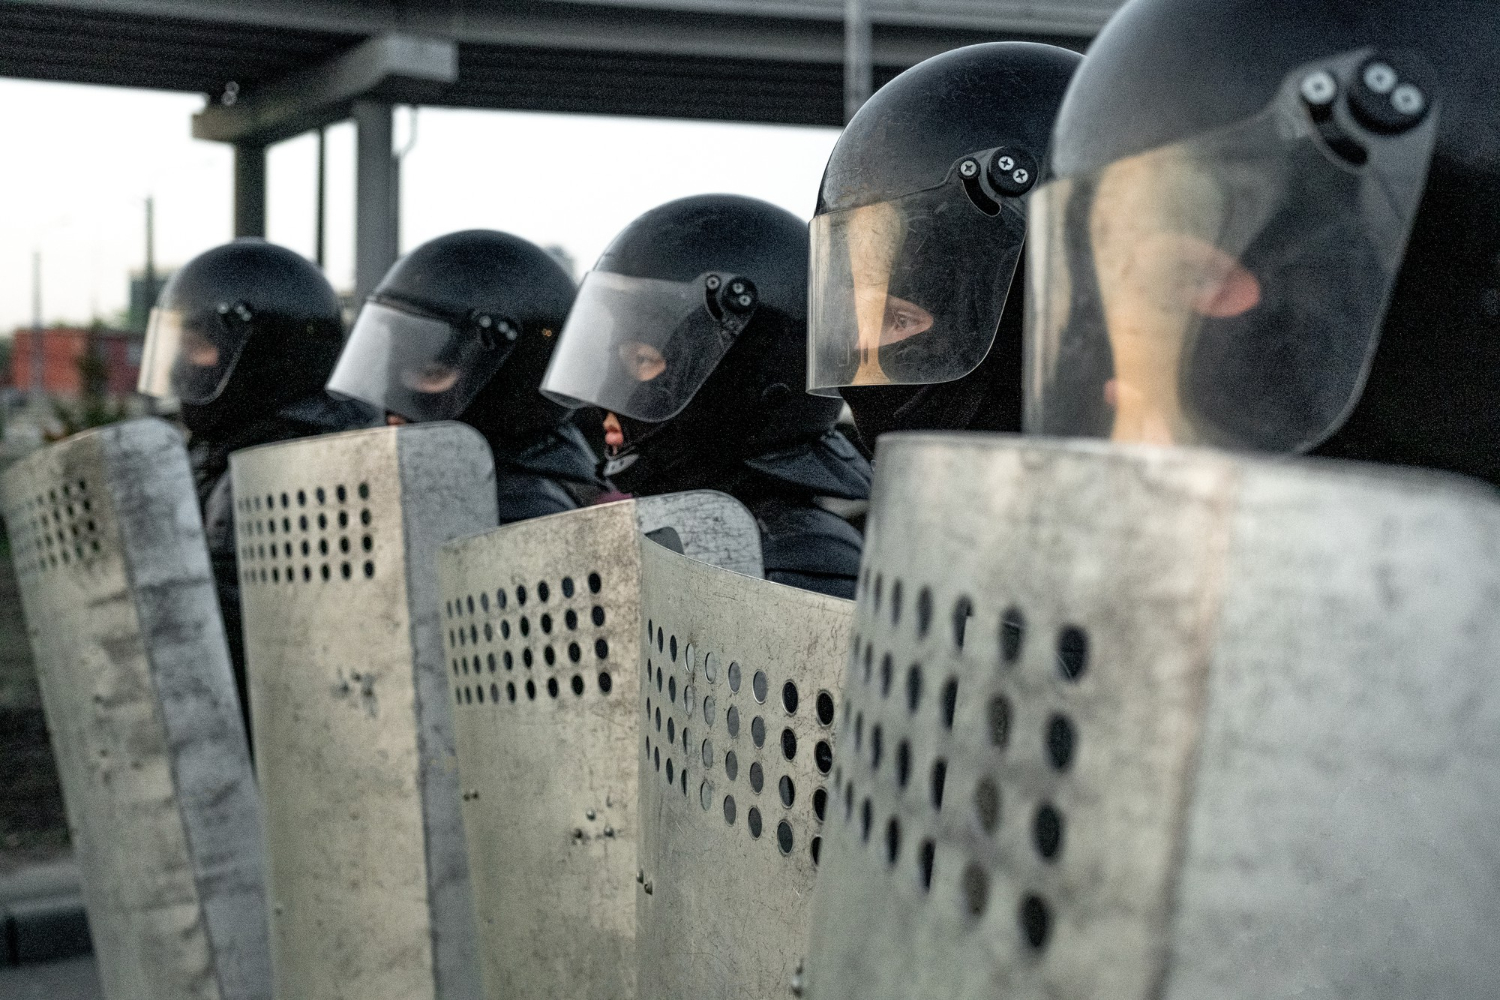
919	226
461	328
1270	225
692	328
238	332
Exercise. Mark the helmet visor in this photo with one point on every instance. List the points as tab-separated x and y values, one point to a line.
910	290
1228	289
641	347
189	358
416	366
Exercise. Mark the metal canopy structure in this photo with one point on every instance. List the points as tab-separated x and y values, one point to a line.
270	69
777	61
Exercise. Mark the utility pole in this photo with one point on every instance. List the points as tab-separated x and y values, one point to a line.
150	275
37	366
858	74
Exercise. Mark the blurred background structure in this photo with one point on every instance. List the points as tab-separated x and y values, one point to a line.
560	120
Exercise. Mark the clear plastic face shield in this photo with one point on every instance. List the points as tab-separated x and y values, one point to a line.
188	359
910	290
1229	289
641	347
420	367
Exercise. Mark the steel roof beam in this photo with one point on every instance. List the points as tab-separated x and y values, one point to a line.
392	68
791	30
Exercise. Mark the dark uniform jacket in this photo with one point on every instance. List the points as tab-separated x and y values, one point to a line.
548	472
803	544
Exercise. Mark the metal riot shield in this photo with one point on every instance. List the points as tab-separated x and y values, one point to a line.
140	701
542	622
1135	723
738	695
338	538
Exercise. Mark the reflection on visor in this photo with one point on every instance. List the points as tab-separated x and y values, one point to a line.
418	367
1224	290
908	291
640	347
187	360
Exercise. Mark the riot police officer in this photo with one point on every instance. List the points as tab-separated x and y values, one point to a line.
462	329
691	331
243	338
919	226
1271	226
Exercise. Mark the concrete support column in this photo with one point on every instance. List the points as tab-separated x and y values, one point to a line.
249	189
858	73
375	197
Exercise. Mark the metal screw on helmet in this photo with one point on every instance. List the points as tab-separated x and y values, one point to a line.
1408	99
713	282
1382	101
1012	171
510	331
969	169
1319	90
739	296
1379	77
485	322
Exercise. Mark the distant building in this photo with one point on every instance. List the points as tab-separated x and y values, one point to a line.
63	350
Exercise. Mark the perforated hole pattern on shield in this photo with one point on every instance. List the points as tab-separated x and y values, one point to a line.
55	528
309	534
540	642
924	658
741	745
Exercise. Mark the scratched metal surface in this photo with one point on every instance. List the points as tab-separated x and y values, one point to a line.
738	696
338	537
542	628
140	702
1219	727
705	525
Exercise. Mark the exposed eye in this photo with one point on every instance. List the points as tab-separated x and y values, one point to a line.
903	319
198	350
432	377
642	361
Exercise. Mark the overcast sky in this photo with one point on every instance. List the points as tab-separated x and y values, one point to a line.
80	162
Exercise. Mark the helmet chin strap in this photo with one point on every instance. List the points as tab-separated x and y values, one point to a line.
617	464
